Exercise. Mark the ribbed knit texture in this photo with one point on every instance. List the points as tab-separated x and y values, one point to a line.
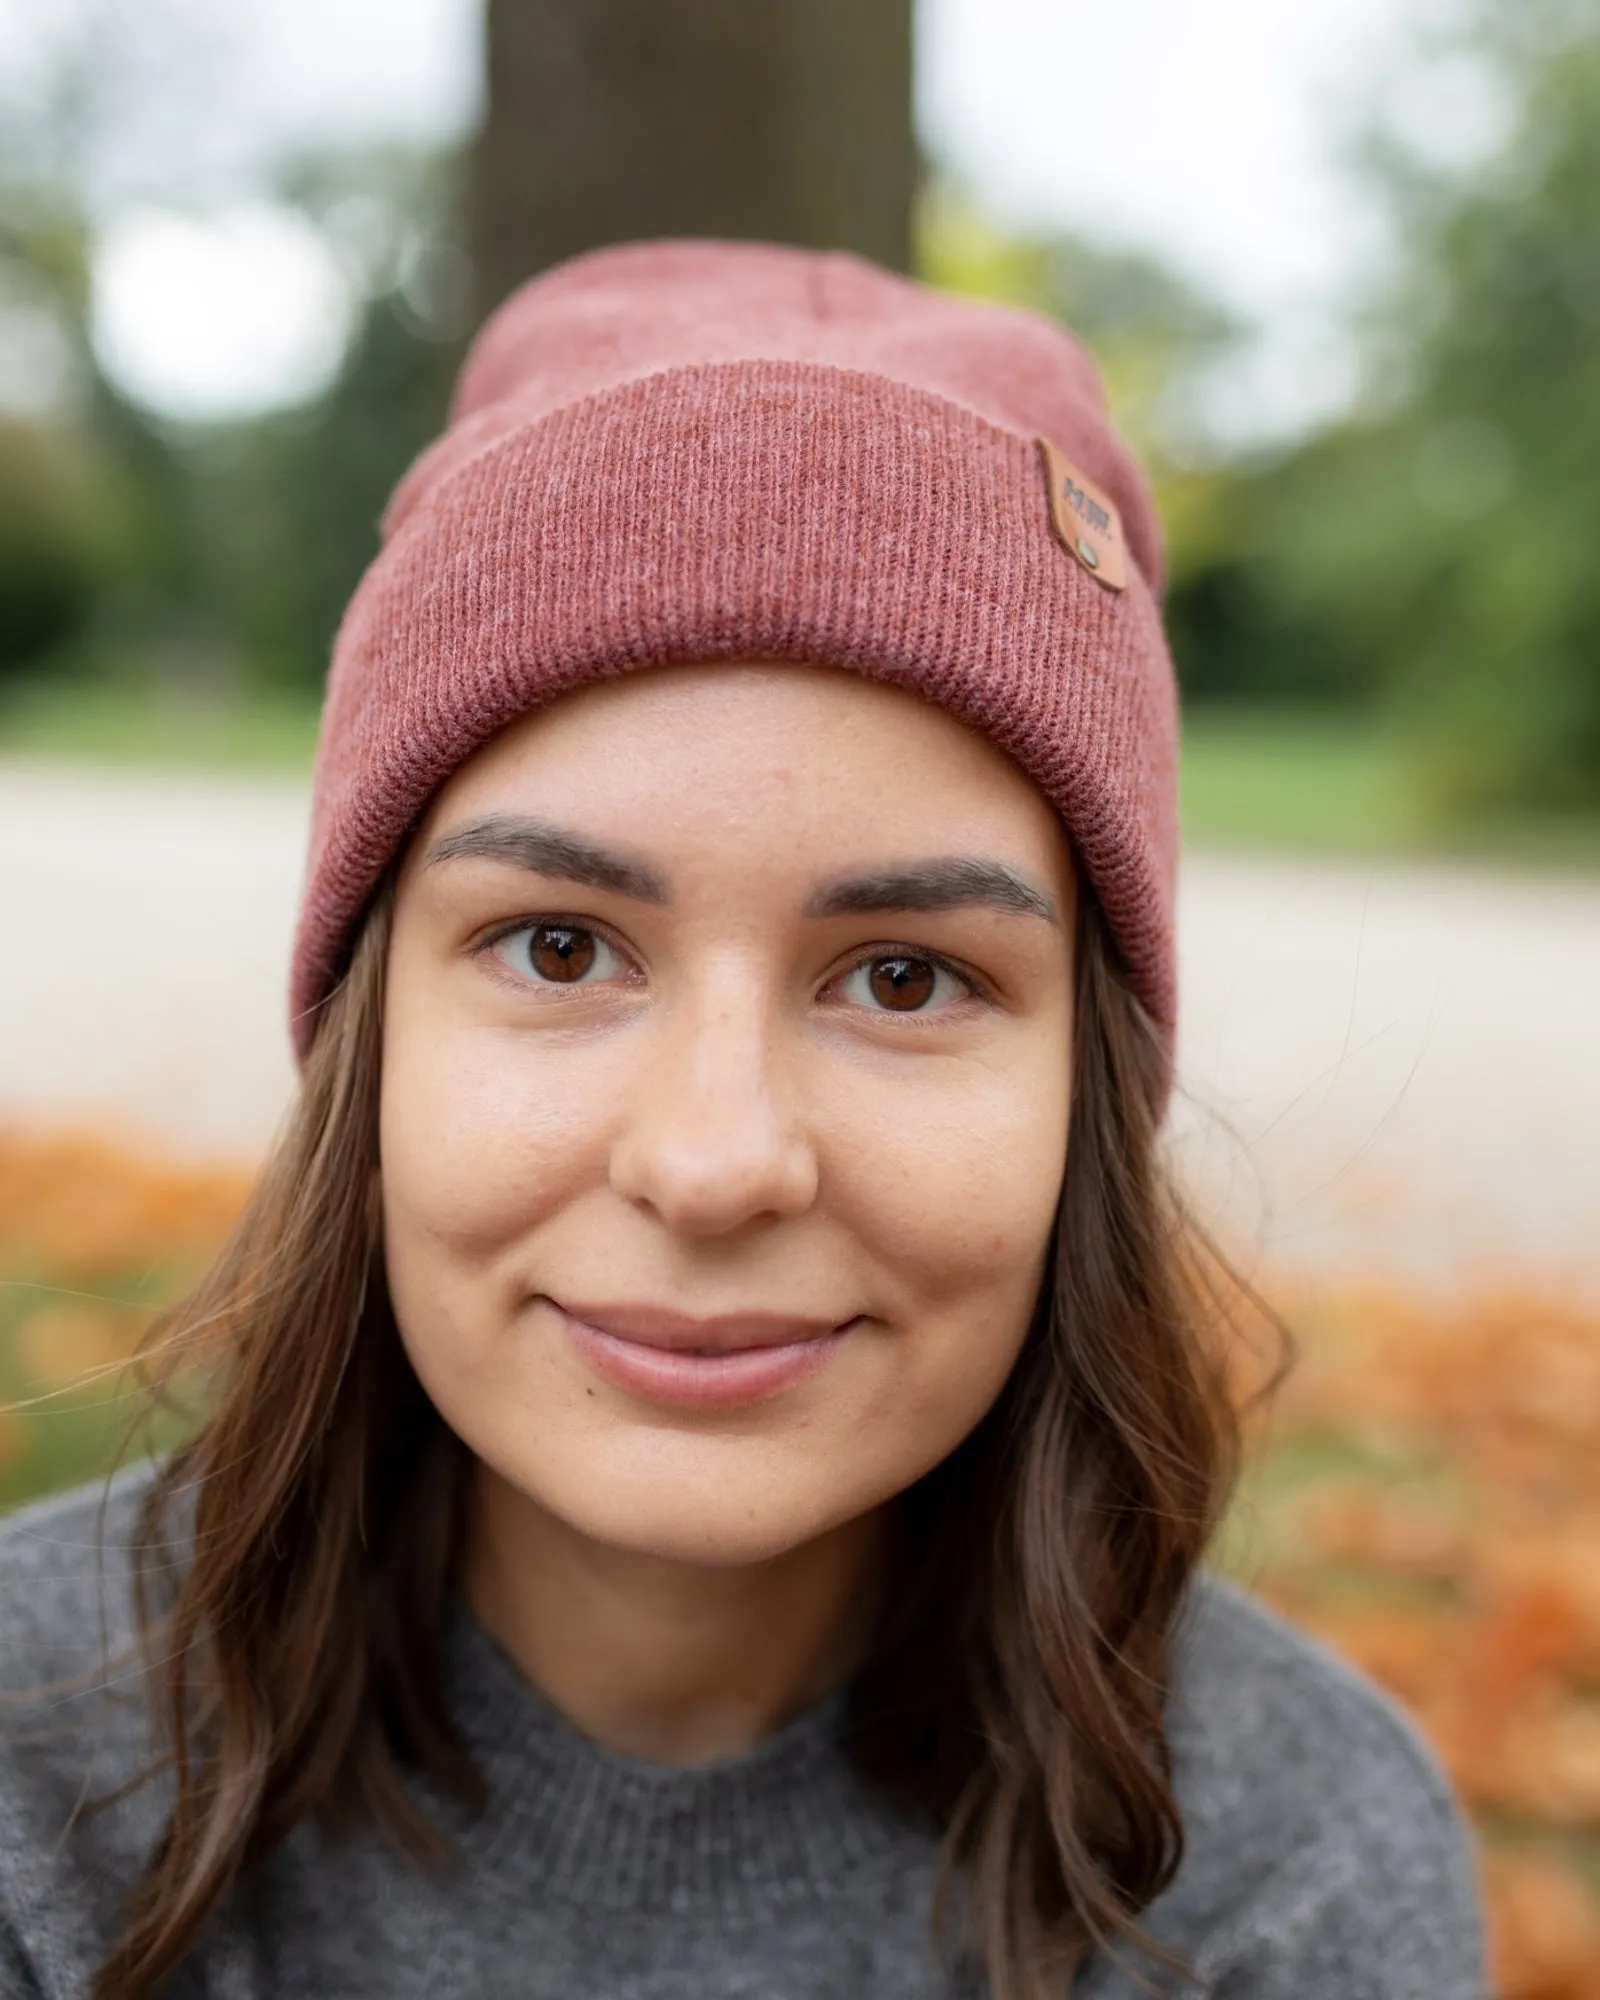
1327	1859
678	452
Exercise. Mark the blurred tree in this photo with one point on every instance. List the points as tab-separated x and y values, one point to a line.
298	494
197	554
295	498
611	119
1495	648
1433	554
1268	541
1154	334
46	583
109	490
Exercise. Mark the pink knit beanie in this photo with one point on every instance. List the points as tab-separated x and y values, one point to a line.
692	451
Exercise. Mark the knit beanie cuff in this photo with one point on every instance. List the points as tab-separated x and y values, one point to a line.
763	511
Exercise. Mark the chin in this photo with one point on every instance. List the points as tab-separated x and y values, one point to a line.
718	1508
705	1541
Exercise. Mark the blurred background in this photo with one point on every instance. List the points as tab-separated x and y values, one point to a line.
1340	263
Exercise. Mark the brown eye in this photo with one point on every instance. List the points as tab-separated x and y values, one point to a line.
561	952
902	984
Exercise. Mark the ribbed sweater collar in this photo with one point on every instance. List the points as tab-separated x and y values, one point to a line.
785	1821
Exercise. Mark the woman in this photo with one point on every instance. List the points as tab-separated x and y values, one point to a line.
712	1423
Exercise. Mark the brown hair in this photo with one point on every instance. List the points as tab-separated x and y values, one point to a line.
1015	1691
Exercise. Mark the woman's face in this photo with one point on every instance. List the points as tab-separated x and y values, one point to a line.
725	1093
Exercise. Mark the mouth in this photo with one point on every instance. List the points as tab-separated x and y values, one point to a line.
707	1364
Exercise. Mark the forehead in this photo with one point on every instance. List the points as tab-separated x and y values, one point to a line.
757	755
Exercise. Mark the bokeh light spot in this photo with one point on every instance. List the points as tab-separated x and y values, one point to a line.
226	315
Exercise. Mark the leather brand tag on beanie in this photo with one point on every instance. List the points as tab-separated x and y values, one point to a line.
1086	519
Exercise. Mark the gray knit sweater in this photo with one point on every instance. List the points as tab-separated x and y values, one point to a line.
1326	1858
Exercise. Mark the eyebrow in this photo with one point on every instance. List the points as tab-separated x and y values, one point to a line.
951	882
549	850
955	882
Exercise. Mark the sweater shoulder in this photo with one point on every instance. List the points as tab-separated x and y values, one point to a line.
65	1580
1257	1702
1318	1820
77	1819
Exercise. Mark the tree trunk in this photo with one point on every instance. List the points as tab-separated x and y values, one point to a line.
612	119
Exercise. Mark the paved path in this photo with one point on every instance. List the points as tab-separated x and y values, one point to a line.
1383	1065
1409	1058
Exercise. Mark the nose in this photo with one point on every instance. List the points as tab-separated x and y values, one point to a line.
714	1141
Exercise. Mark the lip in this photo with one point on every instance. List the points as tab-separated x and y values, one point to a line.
661	1356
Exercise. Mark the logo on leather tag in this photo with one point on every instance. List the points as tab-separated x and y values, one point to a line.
1086	520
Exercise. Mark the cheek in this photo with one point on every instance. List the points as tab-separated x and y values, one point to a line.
953	1193
477	1143
478	1147
954	1184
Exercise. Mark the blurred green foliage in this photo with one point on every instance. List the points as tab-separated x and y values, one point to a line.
1433	556
1426	563
47	576
1152	332
1491	636
198	559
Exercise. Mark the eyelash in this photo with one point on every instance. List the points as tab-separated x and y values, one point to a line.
976	988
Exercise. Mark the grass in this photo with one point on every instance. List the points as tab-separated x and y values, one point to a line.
71	1405
1252	779
1299	782
1316	784
167	727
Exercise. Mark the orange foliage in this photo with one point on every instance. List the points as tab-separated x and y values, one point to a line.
82	1209
61	1344
1546	1933
1454	1555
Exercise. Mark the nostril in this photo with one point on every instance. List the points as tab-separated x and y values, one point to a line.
702	1190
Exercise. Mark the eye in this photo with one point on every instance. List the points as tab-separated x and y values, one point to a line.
557	954
905	983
